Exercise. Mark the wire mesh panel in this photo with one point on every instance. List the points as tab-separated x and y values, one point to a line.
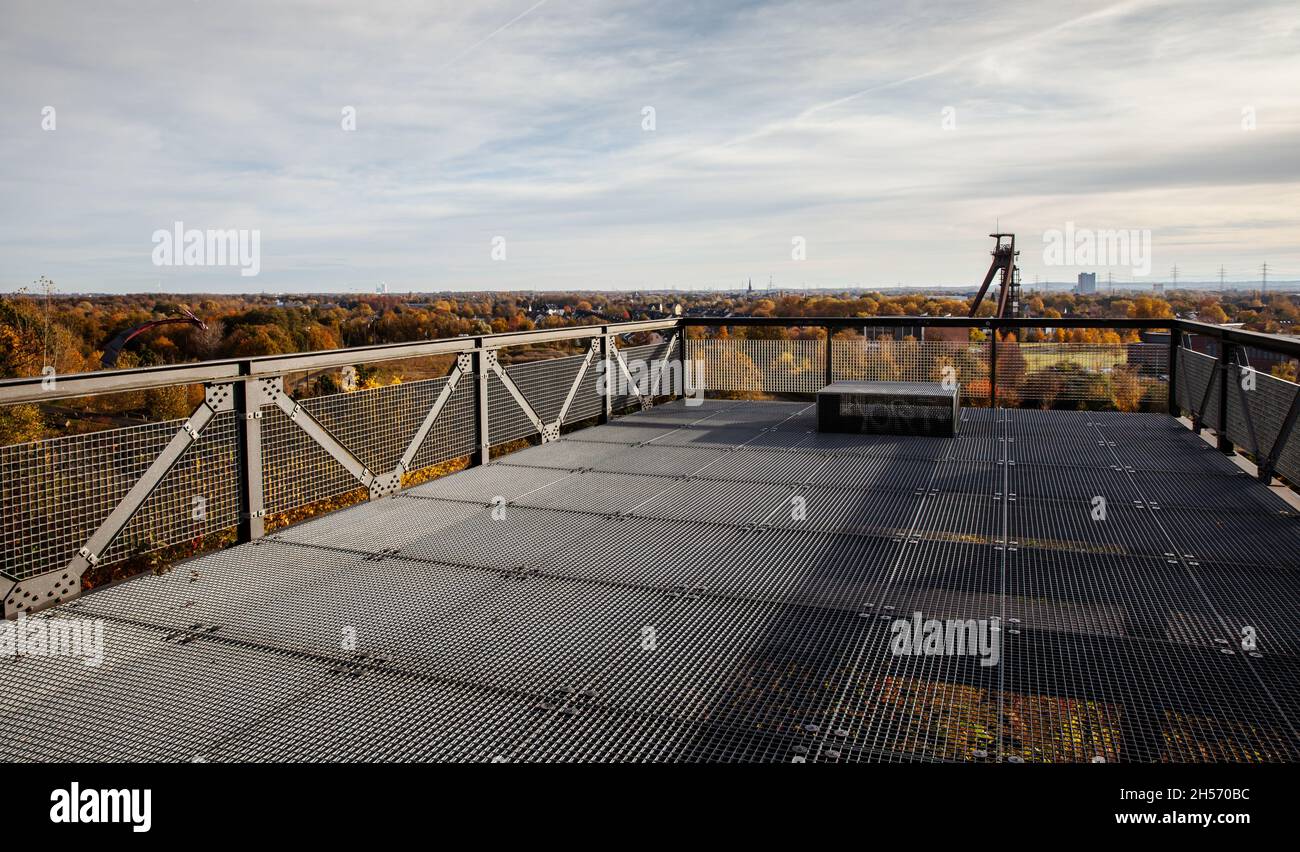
1124	376
296	471
453	433
1196	372
762	366
1267	399
376	425
650	365
886	360
57	492
546	384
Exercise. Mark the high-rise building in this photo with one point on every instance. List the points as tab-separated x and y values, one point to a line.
1087	285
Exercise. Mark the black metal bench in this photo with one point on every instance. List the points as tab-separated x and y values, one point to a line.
889	408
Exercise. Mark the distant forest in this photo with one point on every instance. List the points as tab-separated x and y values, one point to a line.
42	330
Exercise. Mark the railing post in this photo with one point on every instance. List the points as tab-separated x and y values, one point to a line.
252	510
681	359
607	372
1226	351
993	365
1175	343
483	451
830	360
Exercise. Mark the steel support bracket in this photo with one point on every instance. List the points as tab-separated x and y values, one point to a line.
386	485
39	592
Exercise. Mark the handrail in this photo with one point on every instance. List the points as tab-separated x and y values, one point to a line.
37	388
936	322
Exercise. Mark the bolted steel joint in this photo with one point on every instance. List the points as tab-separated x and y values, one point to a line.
220	397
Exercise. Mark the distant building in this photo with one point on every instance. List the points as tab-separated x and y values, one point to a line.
1087	285
1158	288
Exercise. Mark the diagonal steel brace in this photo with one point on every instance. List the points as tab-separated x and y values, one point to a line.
273	390
636	390
1269	464
56	586
1245	406
495	365
592	351
392	481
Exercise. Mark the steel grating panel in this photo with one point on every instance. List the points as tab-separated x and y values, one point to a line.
1233	536
1221	492
377	715
767	465
730	503
753	669
564	454
1141	598
707	435
822	569
1071	482
1255	602
403	518
1080	697
628	431
882	513
524	637
169	701
513	537
650	552
663	460
215	590
598	493
492	483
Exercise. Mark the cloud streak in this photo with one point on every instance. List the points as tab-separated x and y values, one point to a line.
771	120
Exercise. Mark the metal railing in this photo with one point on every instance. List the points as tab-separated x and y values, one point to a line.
250	450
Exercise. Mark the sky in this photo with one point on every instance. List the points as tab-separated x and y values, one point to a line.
582	144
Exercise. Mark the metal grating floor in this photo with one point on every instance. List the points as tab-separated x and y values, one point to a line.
644	590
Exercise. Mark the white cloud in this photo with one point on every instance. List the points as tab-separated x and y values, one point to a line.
773	119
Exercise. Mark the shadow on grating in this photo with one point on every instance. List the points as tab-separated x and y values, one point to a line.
653	593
